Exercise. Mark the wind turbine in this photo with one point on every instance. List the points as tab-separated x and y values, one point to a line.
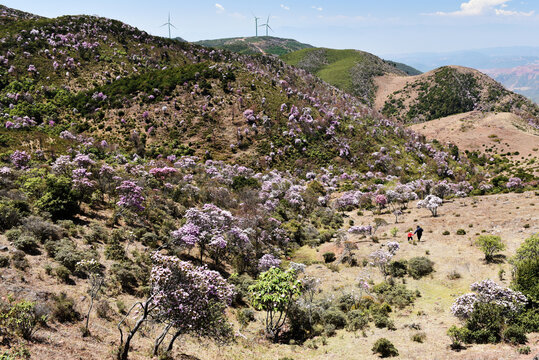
256	24
267	26
169	25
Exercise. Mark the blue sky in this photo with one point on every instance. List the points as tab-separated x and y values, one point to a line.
380	26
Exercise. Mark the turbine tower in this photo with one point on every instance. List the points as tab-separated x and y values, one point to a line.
256	24
169	25
267	26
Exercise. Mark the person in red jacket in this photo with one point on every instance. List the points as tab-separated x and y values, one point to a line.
410	236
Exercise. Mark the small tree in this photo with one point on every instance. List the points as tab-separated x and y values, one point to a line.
490	245
274	291
381	258
187	298
397	213
96	279
432	203
190	299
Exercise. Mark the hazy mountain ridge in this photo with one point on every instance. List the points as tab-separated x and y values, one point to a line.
521	79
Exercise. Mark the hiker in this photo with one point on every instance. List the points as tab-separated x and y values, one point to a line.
410	236
419	232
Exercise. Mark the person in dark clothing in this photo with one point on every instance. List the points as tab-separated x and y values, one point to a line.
419	232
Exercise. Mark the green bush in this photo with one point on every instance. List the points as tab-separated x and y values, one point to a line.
96	233
385	348
26	243
490	245
125	274
9	217
58	200
446	232
515	334
485	324
383	321
419	267
461	232
395	294
334	317
63	274
329	257
245	316
63	309
525	279
66	253
21	318
458	336
4	261
357	320
241	284
18	259
419	337
103	309
115	251
13	234
41	229
398	268
329	330
305	322
529	319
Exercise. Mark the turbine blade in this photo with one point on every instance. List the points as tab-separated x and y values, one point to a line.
270	28
173	26
164	25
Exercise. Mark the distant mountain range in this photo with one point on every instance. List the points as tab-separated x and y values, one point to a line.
256	45
515	67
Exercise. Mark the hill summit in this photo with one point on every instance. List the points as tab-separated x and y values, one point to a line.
268	45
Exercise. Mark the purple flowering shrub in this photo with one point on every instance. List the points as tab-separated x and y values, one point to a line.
268	261
487	291
131	196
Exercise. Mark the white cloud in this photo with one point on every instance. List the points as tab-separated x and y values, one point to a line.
284	7
513	13
484	7
220	8
475	7
319	8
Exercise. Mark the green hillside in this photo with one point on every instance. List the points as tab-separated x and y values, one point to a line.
350	70
256	45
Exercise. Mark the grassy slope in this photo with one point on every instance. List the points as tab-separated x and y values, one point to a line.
350	70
